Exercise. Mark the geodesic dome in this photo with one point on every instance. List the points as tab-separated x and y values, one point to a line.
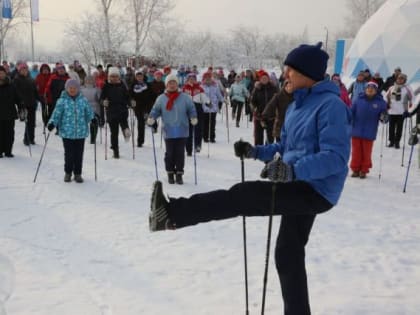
389	39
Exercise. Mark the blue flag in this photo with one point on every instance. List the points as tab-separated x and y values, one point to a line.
7	9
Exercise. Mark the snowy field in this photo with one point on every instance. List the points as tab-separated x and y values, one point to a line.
86	248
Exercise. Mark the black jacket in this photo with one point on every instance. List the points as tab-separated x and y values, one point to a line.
9	101
117	95
141	92
260	97
27	91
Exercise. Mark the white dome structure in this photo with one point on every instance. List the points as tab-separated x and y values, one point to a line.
389	39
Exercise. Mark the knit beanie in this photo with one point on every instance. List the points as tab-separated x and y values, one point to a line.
171	77
72	83
309	60
372	84
114	71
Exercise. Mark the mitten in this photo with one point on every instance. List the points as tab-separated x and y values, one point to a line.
278	171
133	103
50	127
194	121
244	150
384	117
105	103
406	114
23	113
150	121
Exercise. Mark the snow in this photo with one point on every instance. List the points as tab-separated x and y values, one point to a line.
86	248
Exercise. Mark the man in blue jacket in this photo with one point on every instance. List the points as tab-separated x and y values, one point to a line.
307	180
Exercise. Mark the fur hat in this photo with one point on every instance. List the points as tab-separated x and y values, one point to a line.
171	77
309	60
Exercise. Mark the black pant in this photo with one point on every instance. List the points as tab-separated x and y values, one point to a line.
297	201
113	127
198	130
44	113
248	110
73	155
29	135
237	110
395	128
141	125
209	123
175	155
7	136
259	132
93	132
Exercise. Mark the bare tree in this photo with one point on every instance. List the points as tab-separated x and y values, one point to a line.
359	11
106	6
166	42
7	25
143	15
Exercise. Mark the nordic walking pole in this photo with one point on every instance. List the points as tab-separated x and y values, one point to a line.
161	133
94	155
245	245
195	157
382	150
405	131
267	253
106	135
132	132
154	152
42	155
100	136
208	137
227	121
408	168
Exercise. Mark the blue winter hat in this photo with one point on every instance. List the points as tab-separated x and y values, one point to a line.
310	60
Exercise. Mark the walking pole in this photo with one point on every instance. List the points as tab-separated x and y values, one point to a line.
195	157
405	131
154	152
267	253
94	157
42	155
382	150
161	134
227	120
245	245
408	168
132	132
100	136
106	135
208	139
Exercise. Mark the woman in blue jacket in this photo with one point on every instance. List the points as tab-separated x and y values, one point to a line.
367	110
306	181
72	115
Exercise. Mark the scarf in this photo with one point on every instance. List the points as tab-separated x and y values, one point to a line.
172	96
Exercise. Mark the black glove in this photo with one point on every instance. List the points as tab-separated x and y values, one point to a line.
23	113
244	149
278	171
406	114
94	122
413	140
50	127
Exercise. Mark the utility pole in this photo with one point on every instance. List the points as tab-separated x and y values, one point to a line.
326	38
32	33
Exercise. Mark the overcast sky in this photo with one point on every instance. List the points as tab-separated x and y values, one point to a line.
217	15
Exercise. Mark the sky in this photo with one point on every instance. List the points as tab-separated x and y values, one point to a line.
219	16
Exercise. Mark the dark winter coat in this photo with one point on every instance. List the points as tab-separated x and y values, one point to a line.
9	101
55	86
27	92
260	97
142	93
366	113
41	82
390	81
277	108
117	95
158	87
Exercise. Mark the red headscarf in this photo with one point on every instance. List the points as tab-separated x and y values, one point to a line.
172	96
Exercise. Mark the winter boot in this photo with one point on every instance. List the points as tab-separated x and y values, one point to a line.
127	134
158	217
171	178
67	178
397	145
178	179
355	174
78	178
390	144
362	175
116	154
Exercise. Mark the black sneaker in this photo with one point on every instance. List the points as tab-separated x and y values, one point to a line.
397	145
116	154
171	178
67	178
32	142
78	178
158	217
9	155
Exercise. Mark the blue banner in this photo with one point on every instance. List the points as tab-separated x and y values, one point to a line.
339	55
7	9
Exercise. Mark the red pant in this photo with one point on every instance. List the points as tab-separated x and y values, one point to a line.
361	153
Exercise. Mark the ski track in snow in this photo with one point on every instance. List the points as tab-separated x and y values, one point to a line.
86	248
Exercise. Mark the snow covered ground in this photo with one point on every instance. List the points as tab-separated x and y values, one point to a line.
86	248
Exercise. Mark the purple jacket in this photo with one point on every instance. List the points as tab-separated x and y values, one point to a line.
366	113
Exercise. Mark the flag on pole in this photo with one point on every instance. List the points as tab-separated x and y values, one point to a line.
35	10
7	9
